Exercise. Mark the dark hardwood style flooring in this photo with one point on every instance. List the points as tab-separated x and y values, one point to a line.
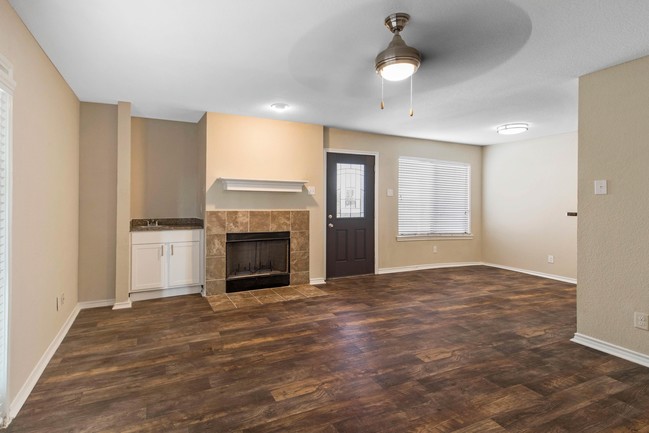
252	298
470	350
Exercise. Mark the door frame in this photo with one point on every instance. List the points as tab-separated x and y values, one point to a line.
328	150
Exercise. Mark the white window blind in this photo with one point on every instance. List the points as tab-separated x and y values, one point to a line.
7	84
4	244
434	197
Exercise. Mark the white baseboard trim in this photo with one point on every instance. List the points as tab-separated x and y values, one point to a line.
33	377
536	274
460	264
96	304
317	281
426	266
611	349
122	305
162	293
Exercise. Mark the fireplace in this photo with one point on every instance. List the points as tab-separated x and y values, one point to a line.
218	223
257	260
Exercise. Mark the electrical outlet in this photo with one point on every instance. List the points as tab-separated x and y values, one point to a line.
550	259
641	320
435	248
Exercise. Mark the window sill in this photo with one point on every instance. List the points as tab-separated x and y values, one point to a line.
433	238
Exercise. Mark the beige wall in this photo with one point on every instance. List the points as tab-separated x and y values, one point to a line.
45	208
528	187
392	253
613	240
165	179
247	147
164	156
201	135
97	200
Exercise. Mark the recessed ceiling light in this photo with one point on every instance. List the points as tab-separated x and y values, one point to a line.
512	128
279	107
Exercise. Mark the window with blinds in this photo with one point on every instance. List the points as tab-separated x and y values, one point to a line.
434	197
5	124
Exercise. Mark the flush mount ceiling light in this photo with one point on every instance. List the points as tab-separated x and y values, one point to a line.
279	107
398	61
512	128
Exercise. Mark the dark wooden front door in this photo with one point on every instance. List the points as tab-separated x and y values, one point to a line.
350	215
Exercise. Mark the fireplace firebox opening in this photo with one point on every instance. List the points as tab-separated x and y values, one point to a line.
257	260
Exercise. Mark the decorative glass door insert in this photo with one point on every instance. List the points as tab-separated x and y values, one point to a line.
350	192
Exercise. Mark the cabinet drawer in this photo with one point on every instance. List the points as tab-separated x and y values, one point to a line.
166	236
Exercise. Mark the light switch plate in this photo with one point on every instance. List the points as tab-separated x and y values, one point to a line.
390	192
601	187
310	190
641	320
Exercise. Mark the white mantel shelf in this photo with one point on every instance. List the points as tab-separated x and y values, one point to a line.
263	185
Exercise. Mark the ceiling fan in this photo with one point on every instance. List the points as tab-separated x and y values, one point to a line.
398	61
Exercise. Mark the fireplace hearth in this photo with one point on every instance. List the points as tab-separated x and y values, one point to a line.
257	260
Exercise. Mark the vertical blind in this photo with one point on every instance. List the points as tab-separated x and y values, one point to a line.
4	245
434	197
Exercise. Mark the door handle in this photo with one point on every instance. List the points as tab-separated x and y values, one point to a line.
330	225
162	250
172	249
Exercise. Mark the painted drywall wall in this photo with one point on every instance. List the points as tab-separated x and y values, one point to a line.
201	136
527	189
613	240
97	201
164	154
247	147
398	254
165	181
45	200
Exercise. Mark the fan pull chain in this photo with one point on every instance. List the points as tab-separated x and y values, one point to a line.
382	104
411	111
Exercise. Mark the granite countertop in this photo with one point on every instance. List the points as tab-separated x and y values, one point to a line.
149	225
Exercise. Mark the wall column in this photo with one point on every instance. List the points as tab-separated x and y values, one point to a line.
123	250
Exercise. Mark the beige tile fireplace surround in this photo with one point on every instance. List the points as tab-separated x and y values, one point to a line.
219	223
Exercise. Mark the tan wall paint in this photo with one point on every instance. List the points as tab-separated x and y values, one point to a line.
97	201
123	209
398	254
165	182
528	187
45	208
247	147
202	155
613	240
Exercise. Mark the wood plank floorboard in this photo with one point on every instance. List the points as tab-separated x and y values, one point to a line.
473	349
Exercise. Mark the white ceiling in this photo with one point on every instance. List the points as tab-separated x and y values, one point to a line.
485	62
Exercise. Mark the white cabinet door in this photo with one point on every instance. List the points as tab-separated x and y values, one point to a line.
184	261
148	268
